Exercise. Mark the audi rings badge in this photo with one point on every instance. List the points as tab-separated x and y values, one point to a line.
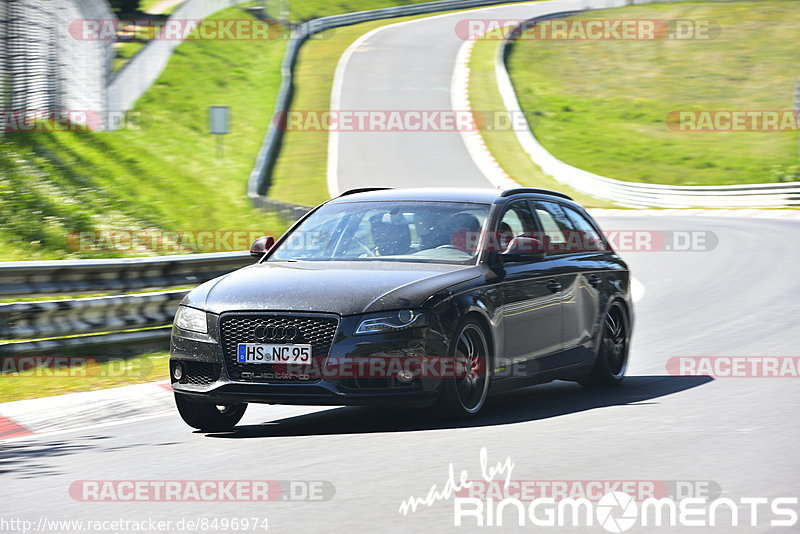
276	333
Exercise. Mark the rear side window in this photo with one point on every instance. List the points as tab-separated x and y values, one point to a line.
568	234
555	224
590	237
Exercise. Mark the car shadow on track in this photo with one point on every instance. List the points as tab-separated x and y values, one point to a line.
39	458
529	404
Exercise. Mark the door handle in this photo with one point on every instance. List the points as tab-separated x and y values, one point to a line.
554	286
595	280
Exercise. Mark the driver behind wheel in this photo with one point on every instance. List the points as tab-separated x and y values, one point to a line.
465	231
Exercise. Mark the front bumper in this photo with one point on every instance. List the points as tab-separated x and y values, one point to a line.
354	373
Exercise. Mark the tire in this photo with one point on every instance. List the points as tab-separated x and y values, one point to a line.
208	417
611	360
464	394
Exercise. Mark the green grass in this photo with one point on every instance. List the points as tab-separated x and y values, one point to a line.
484	96
146	5
309	9
163	175
601	105
76	375
124	52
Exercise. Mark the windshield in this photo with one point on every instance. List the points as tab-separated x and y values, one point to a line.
431	232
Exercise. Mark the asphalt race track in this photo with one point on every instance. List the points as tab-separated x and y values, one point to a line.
372	75
739	435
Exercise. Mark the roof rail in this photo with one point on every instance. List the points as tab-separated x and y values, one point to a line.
363	190
520	190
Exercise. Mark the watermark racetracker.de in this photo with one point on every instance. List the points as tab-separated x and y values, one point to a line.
162	241
171	242
201	490
61	367
599	29
175	29
735	366
67	120
733	120
403	120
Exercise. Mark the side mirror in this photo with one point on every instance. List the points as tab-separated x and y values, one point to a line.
525	249
261	246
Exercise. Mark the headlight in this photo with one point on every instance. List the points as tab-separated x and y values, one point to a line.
191	319
392	321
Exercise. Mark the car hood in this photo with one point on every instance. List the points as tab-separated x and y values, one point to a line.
344	288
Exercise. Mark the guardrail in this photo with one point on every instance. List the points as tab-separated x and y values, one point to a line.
101	346
77	277
632	194
110	314
53	318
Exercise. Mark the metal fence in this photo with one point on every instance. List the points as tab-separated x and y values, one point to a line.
43	68
46	65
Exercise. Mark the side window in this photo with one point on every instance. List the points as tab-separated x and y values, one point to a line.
590	237
516	221
557	226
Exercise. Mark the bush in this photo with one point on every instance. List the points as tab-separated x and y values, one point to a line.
786	173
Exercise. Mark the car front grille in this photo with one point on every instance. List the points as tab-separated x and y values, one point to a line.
318	331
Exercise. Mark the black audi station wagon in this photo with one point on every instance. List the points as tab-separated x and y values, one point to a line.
407	297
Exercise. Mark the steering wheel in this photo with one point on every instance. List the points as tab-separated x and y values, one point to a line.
365	247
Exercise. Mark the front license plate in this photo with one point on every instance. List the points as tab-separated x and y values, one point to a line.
266	353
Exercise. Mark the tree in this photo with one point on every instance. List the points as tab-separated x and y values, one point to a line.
124	6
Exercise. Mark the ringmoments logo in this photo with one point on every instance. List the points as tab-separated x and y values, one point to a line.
622	506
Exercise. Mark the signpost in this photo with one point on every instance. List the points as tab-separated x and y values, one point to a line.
219	118
278	10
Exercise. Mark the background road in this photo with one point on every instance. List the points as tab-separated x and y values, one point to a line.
739	299
374	75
